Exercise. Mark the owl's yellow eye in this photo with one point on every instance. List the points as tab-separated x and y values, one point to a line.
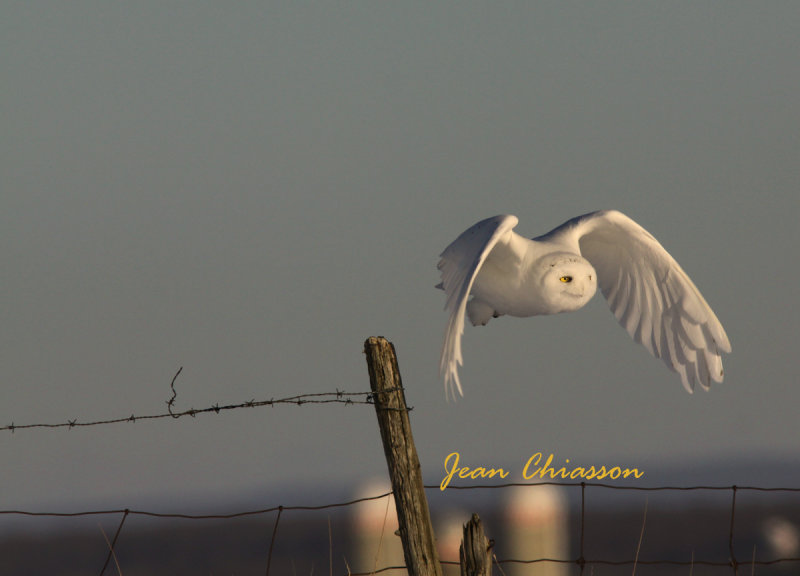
566	279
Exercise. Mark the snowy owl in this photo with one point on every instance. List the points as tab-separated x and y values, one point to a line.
648	292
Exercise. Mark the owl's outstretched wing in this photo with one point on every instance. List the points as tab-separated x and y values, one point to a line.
459	264
650	295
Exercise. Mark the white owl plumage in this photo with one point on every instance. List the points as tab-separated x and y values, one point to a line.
490	270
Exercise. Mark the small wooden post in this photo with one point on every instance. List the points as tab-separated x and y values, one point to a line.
413	516
475	553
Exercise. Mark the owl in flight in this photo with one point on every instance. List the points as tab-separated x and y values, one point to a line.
490	270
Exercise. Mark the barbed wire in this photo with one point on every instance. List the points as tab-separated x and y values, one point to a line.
337	397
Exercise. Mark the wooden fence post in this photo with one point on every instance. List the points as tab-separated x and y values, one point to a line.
475	553
416	531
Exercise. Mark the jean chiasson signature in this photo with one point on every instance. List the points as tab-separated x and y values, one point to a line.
537	467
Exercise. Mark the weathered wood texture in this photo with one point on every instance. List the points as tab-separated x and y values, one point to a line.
475	553
416	531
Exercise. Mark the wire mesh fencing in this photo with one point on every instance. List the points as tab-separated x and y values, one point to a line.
738	530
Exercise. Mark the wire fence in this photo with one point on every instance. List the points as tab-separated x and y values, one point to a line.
125	513
581	562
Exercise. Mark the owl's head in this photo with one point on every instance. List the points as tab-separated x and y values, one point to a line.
568	281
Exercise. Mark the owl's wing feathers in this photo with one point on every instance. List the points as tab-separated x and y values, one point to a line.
650	294
459	264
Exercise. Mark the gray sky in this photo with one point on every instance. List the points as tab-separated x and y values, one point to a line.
251	190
